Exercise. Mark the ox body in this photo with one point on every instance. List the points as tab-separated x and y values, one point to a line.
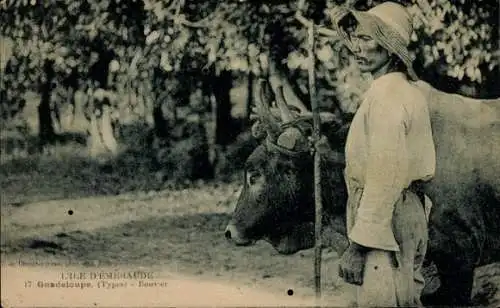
277	200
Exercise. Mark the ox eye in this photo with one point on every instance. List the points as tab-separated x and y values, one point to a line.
252	177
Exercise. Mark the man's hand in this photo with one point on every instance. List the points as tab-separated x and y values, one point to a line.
321	145
352	264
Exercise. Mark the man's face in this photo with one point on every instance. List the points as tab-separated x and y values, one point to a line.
369	54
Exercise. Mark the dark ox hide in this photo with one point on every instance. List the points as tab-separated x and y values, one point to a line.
277	203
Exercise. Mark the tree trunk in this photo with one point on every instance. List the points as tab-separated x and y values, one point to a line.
223	123
250	98
80	120
209	118
159	97
139	107
106	129
94	141
69	115
148	105
46	131
160	123
102	141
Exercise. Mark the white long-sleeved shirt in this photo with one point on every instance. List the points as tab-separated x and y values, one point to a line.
389	145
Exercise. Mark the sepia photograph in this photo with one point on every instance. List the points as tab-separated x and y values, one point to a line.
250	153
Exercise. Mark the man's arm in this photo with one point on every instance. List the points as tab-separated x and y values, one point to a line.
385	178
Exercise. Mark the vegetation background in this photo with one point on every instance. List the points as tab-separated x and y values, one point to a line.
103	97
142	108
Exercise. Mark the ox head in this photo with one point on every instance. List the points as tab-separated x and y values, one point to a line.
276	203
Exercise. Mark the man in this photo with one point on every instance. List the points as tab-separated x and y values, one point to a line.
389	147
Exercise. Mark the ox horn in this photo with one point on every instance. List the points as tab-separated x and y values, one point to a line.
263	111
276	82
285	98
286	113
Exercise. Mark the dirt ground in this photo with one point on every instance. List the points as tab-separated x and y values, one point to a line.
177	236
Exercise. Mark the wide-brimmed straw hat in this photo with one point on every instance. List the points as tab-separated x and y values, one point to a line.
389	24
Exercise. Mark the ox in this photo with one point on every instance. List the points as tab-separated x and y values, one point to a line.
277	203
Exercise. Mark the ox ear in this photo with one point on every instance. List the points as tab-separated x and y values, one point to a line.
292	139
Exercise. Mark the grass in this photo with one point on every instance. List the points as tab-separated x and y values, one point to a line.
68	172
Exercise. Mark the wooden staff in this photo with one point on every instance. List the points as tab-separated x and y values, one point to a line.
317	159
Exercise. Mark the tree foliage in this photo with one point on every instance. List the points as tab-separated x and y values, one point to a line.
461	37
458	39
